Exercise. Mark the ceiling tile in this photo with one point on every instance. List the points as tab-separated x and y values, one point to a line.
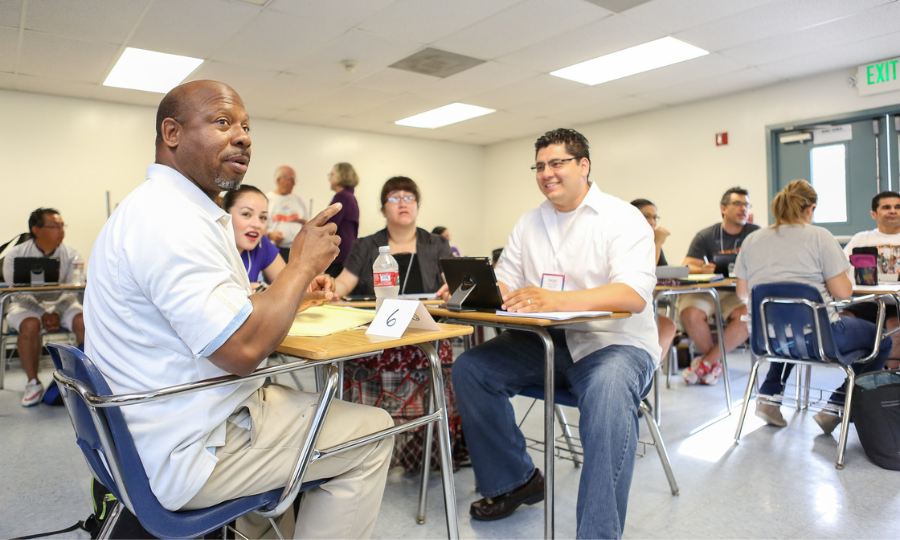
603	111
197	28
847	56
714	86
536	88
241	78
595	39
9	47
49	56
675	15
682	72
348	100
586	96
277	40
372	53
480	78
519	26
59	87
11	13
772	19
398	108
7	81
873	22
124	95
289	91
106	21
424	21
343	12
397	80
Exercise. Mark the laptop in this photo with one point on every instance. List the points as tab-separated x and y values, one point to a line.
472	283
35	271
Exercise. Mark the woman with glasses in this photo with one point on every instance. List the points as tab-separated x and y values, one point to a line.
396	379
665	325
343	179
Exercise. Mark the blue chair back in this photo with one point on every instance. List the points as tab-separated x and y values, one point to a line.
798	319
158	521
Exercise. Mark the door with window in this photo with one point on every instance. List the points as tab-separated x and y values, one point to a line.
846	159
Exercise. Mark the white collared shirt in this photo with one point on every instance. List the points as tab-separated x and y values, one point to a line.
167	288
609	241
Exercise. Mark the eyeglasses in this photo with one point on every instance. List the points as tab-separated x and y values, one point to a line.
554	164
654	218
741	204
405	198
51	227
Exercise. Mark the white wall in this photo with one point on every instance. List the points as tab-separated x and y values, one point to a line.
66	153
669	155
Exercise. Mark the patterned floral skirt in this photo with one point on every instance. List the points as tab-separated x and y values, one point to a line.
397	381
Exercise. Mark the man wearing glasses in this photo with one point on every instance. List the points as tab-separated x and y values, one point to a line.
723	238
30	317
580	250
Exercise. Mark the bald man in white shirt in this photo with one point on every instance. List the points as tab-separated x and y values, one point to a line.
581	250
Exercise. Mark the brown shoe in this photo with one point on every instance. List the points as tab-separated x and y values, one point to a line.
501	506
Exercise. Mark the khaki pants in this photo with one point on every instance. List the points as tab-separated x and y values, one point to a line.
258	460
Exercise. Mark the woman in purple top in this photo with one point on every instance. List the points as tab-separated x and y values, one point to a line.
249	211
343	179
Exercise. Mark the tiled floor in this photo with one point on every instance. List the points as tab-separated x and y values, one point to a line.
777	483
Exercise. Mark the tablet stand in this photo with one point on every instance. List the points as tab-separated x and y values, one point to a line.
455	303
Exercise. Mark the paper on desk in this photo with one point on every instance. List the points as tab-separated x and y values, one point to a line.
327	320
555	315
881	287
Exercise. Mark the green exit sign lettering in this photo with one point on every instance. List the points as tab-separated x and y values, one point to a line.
878	77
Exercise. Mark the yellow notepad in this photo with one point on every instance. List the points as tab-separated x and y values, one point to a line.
327	320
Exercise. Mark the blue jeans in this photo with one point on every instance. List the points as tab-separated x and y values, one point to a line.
608	384
850	334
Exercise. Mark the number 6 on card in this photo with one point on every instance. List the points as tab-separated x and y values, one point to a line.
395	316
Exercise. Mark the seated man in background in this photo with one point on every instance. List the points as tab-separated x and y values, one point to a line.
608	365
694	310
170	304
885	237
31	316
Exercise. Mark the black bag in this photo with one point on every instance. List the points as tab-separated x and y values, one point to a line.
876	413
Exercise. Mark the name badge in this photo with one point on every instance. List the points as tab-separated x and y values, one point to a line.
553	282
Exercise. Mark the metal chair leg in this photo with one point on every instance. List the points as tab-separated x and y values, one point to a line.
426	464
660	447
845	422
747	394
111	520
656	401
567	434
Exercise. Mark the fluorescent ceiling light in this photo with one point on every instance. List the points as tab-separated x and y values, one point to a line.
444	116
150	71
638	59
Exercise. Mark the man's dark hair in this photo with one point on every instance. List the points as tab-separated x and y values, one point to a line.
438	230
231	197
876	200
640	203
576	144
169	107
36	219
726	198
399	183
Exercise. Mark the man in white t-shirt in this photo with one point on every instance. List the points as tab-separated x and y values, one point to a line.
287	213
32	316
886	213
580	250
169	303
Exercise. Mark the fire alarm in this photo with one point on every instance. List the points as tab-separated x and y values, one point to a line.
722	139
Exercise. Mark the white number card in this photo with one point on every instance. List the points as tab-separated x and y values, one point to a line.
395	316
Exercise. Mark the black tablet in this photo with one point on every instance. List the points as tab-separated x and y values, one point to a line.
472	283
35	271
723	261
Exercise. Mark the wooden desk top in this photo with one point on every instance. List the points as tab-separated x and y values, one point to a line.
522	321
354	342
729	282
370	304
881	288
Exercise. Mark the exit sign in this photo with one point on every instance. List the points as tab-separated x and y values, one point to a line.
878	77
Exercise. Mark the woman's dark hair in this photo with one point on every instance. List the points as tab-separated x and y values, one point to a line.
438	230
399	183
231	197
640	203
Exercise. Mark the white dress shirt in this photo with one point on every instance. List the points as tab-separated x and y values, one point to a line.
166	288
609	241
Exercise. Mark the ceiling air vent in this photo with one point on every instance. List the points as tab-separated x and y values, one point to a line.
436	63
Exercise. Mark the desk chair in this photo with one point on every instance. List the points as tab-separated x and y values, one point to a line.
112	458
8	345
563	397
782	311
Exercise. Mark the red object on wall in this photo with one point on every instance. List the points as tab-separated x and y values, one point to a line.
722	139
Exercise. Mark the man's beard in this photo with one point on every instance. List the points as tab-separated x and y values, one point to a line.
228	185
